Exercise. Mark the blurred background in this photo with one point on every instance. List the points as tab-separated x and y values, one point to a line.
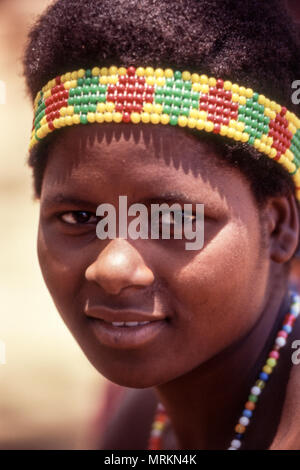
50	395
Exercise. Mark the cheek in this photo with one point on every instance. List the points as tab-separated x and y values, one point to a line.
214	292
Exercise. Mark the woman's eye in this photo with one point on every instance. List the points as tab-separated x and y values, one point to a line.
179	217
78	217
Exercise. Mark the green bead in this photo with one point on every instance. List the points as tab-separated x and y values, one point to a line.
195	104
87	81
252	398
72	92
185	111
95	80
248	129
256	106
266	119
261	118
177	101
159	90
94	99
168	100
92	108
77	100
187	85
251	140
86	90
242	119
187	94
102	98
255	115
80	81
187	103
177	93
102	88
177	75
255	96
88	73
167	109
159	99
83	119
77	109
195	95
260	383
71	101
176	110
249	103
179	84
261	109
168	91
173	120
260	127
169	82
84	109
242	110
271	362
78	91
85	99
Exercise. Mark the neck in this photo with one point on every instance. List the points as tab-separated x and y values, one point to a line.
205	404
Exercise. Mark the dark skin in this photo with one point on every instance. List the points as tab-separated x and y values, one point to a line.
221	304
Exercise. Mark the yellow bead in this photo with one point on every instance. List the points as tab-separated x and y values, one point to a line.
95	71
104	71
73	83
158	425
110	107
165	119
271	362
67	85
249	93
245	137
209	126
123	71
203	79
113	70
101	107
192	123
237	136
69	120
148	108
70	110
256	143
264	138
273	153
108	117
76	119
227	85
135	118
81	73
62	121
204	88
242	100
200	124
196	87
223	130
56	123
232	123
182	121
202	115
231	132
140	72
292	128
242	91
145	117
186	75
157	108
155	119
212	81
235	88
44	120
160	81
262	147
47	94
195	78
240	126
150	80
277	108
194	113
262	99
149	71
74	75
272	105
159	72
103	80
113	79
91	117
267	149
289	155
169	73
117	117
100	117
235	97
63	111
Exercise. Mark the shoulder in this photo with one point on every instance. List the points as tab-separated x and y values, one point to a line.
129	426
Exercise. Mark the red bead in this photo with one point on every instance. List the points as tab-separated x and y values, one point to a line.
220	83
211	117
211	108
61	95
204	98
130	88
111	88
119	107
149	98
228	95
126	117
217	128
120	97
282	334
110	97
274	354
120	87
51	126
129	97
219	119
139	98
49	117
283	111
234	115
123	79
128	107
132	80
226	112
203	106
212	100
137	107
49	101
225	121
57	80
213	91
141	80
234	106
149	89
278	155
140	88
131	71
221	93
57	114
48	110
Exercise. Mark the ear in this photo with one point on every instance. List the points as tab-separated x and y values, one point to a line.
281	218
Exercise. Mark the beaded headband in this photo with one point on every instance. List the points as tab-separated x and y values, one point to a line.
177	98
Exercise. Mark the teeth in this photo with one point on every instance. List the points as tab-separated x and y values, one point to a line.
129	323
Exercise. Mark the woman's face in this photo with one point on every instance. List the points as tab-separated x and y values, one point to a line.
198	302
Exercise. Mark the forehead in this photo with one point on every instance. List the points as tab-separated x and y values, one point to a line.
136	159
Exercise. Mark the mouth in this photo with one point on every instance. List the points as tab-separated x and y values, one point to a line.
125	329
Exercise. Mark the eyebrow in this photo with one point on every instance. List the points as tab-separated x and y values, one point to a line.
63	199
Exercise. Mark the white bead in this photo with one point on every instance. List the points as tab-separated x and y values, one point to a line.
280	341
231	448
236	443
156	432
255	391
244	421
295	309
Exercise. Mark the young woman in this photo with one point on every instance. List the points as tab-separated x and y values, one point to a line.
180	102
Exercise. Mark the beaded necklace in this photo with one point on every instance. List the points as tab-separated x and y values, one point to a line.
161	417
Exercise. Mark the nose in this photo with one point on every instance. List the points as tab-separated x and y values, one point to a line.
118	266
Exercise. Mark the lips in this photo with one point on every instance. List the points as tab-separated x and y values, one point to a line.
124	329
